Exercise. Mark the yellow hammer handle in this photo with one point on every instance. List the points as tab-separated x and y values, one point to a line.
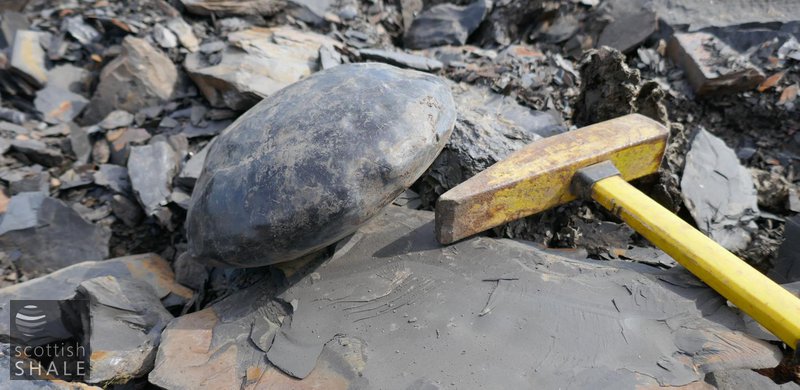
771	305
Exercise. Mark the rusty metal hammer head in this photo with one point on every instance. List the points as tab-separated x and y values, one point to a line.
538	176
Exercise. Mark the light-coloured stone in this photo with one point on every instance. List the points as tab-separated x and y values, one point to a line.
142	76
184	33
27	57
259	62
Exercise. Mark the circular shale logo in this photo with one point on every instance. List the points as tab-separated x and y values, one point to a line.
30	320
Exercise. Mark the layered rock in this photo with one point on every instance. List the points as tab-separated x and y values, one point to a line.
392	297
48	234
258	63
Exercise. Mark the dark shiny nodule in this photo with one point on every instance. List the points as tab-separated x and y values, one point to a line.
310	164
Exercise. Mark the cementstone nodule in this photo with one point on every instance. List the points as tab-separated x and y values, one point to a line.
310	164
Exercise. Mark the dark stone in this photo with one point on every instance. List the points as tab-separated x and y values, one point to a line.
563	28
92	214
38	152
240	7
12	128
208	129
82	32
114	177
126	210
629	30
73	178
212	47
189	272
32	182
122	323
80	144
489	127
508	22
445	24
60	285
787	264
221	114
744	379
151	169
609	89
310	11
306	175
719	192
9	25
12	115
26	179
772	189
197	114
603	239
168	123
403	60
49	234
191	171
408	199
711	65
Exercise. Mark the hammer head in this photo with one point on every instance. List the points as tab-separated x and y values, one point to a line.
538	176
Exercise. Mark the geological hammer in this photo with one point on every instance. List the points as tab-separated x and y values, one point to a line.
596	162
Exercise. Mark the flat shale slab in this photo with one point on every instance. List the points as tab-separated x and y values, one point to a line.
393	309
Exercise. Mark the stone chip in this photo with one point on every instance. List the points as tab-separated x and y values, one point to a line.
719	192
49	234
712	67
27	57
151	169
122	321
233	7
403	60
141	76
445	24
260	62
